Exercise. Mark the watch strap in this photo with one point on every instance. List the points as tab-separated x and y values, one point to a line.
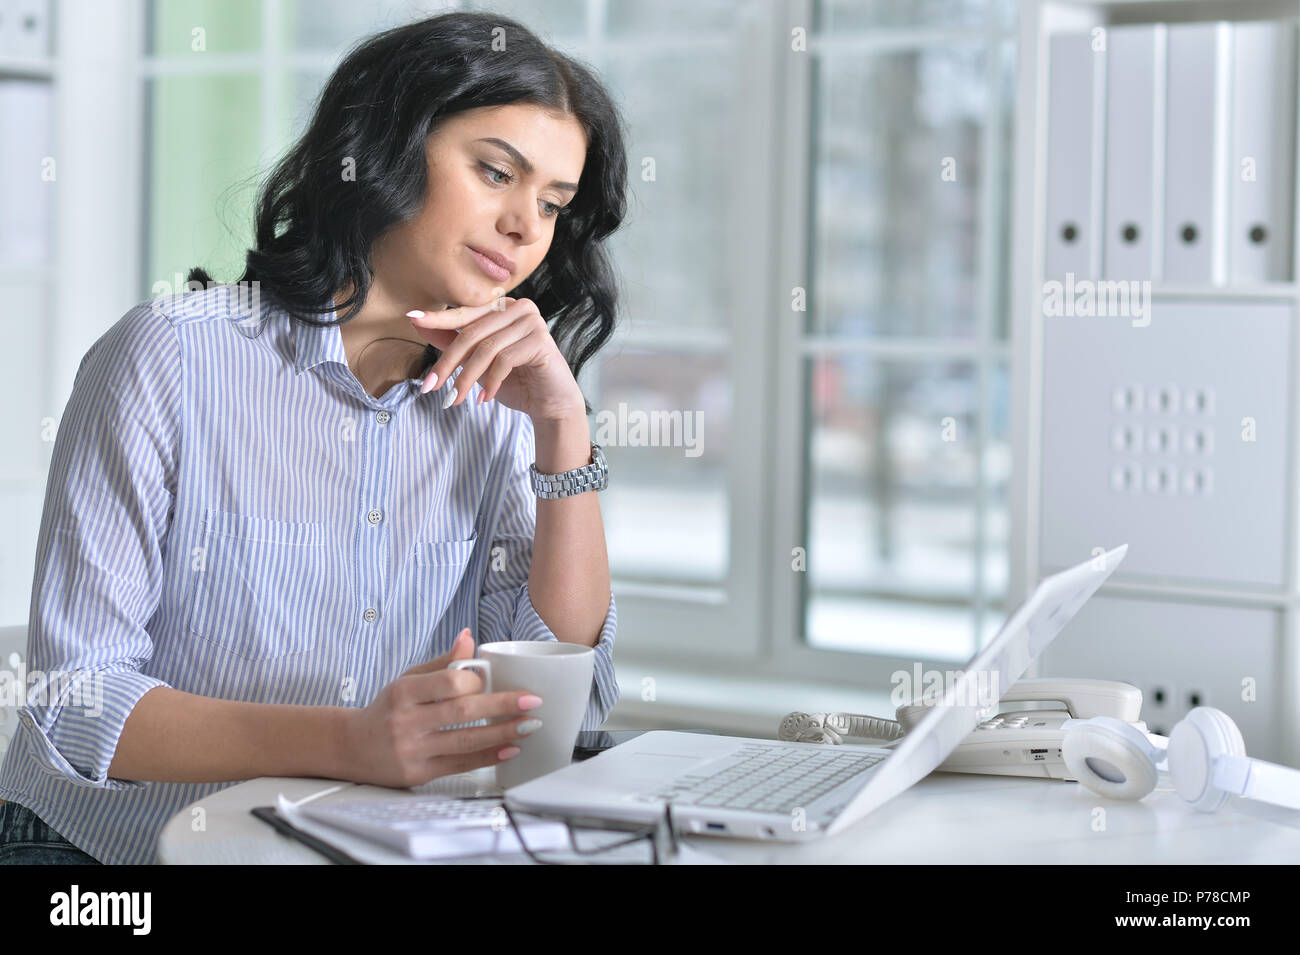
590	477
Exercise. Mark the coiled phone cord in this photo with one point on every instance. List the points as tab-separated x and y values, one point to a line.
833	727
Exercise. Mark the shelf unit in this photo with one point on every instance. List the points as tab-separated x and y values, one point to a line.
1197	640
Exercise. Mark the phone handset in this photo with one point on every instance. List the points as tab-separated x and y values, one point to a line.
1082	698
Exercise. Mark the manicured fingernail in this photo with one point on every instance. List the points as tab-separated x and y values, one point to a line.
451	397
508	752
528	726
415	313
428	385
530	702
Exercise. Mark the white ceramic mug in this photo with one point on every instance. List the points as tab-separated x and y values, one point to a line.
561	674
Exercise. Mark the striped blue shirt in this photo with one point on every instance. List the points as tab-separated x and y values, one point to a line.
229	513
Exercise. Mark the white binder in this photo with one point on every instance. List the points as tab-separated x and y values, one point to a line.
1263	140
1074	118
1135	115
26	25
1196	153
6	27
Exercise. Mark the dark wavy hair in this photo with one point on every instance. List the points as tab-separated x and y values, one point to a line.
315	230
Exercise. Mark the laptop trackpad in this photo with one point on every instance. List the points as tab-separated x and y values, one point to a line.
614	777
657	767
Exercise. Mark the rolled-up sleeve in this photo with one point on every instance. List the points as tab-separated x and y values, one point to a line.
99	567
506	610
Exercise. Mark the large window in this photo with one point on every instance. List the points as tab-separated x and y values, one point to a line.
805	405
906	365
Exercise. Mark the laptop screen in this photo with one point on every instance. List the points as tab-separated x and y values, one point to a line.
1022	638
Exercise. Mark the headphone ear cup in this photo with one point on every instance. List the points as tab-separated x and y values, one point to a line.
1200	738
1104	760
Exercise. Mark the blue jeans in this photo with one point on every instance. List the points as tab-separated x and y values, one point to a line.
26	840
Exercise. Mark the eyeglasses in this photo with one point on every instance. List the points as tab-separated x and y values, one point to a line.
647	844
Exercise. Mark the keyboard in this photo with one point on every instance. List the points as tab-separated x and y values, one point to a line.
434	826
766	778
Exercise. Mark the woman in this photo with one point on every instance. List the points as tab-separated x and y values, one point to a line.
272	519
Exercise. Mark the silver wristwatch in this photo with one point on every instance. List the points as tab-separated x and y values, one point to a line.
589	477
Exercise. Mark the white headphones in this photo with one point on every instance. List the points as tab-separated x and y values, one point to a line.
1204	755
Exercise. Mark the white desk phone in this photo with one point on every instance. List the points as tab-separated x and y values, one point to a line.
1014	743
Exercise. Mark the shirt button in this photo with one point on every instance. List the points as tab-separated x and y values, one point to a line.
371	615
375	516
383	417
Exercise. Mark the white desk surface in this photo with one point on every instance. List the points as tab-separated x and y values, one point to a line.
945	818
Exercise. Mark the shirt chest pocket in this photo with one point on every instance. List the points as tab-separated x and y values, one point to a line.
432	574
263	588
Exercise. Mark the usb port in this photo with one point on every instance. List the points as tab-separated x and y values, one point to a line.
716	825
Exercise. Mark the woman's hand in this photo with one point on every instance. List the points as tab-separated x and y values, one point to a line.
505	343
397	740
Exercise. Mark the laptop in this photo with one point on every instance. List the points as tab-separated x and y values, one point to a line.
768	789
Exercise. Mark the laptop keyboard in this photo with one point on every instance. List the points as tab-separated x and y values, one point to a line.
767	778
